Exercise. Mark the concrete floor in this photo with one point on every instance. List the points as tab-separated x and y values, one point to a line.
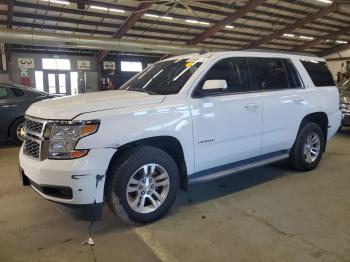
267	214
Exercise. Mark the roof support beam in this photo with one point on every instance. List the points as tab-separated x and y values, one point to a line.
10	4
335	49
250	6
289	28
128	24
320	39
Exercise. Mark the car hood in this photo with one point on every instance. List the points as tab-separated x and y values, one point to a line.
70	106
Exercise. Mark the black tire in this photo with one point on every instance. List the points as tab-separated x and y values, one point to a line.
13	131
121	172
296	158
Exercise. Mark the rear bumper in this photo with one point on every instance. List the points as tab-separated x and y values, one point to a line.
334	121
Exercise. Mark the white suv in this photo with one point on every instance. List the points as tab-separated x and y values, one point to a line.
183	120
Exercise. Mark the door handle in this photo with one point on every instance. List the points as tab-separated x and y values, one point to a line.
298	99
251	106
9	106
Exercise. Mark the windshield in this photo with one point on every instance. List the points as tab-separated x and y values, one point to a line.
345	86
163	78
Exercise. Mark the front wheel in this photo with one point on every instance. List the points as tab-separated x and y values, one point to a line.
17	131
308	147
142	184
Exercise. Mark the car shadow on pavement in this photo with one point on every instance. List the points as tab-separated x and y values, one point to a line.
230	184
344	132
7	143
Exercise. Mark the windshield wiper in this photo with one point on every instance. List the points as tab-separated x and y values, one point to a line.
142	90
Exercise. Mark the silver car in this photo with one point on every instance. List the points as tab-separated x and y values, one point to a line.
344	91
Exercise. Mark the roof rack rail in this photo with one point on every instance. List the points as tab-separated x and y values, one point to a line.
280	52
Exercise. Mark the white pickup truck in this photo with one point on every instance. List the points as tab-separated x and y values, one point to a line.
183	120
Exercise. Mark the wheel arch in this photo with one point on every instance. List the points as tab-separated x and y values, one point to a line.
168	144
319	118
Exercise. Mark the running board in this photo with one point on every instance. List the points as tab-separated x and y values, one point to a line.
215	173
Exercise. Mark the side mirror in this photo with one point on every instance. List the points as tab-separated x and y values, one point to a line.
215	85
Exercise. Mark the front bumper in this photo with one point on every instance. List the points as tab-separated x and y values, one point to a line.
73	183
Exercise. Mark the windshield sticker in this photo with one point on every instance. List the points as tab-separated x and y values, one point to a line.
188	64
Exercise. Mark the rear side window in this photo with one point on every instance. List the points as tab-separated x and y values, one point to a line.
18	92
292	75
3	92
269	73
318	72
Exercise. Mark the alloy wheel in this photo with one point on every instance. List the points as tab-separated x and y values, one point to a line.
148	188
312	147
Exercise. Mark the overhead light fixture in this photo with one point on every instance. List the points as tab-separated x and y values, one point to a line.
192	21
229	26
116	10
196	22
157	16
99	7
326	1
152	15
167	17
62	2
341	42
289	35
306	37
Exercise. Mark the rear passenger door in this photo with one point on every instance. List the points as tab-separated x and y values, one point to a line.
284	98
226	123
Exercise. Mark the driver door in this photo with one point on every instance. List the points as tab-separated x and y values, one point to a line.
227	123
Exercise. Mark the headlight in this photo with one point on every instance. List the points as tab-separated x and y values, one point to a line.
65	135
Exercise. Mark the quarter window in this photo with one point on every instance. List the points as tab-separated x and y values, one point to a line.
3	92
318	72
268	73
236	73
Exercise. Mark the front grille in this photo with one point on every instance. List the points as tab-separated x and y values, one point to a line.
33	126
32	148
34	142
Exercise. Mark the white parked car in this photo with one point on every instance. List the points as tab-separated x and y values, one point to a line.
183	120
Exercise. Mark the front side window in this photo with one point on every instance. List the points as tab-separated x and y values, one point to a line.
163	78
234	71
319	73
3	92
268	73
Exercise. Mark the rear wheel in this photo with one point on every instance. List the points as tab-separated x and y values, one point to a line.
308	147
142	184
17	131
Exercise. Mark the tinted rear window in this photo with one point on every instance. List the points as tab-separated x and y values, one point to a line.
269	73
318	72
